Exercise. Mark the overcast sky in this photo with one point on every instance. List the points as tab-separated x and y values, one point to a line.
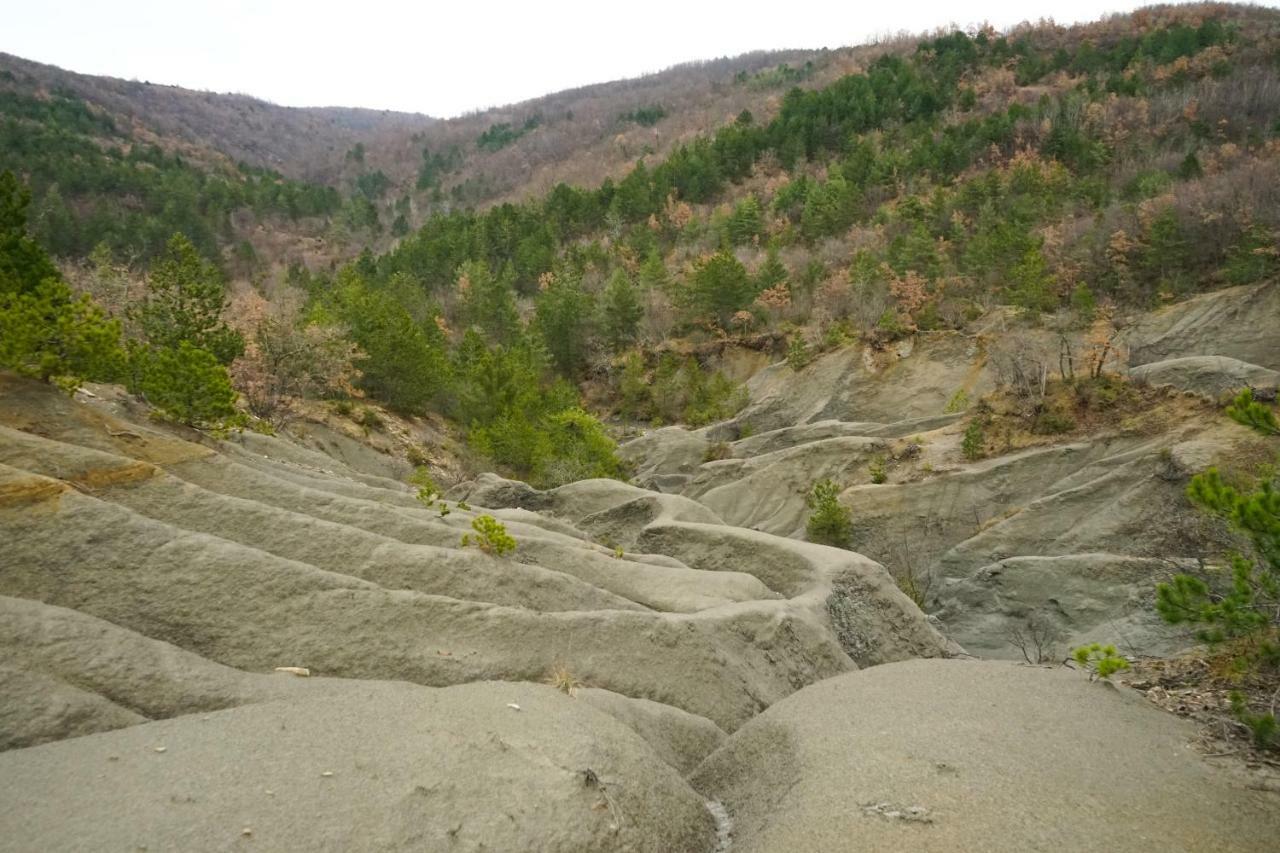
449	58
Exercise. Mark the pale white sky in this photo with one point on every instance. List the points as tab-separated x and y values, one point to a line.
454	57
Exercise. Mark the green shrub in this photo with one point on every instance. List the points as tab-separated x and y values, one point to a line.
185	300
958	403
186	384
1243	609
369	419
683	391
45	331
550	449
717	451
51	335
1050	422
830	523
1262	726
974	441
1245	410
490	536
798	353
1247	605
581	450
421	477
879	473
1102	661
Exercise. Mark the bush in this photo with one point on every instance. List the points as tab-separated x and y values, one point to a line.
581	450
1102	661
46	332
1246	606
717	451
682	391
958	403
1262	726
1050	422
798	353
185	300
186	384
876	468
427	486
1244	609
1245	410
830	523
973	443
51	335
369	419
490	536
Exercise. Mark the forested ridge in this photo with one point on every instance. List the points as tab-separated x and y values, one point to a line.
1062	171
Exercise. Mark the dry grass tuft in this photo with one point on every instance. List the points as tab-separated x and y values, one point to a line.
563	680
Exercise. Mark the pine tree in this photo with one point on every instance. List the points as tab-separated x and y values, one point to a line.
830	522
488	301
1245	410
620	312
51	335
23	264
1246	606
720	287
653	273
187	384
185	300
772	272
745	223
1031	284
564	320
45	331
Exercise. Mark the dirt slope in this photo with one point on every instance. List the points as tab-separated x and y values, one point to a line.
978	755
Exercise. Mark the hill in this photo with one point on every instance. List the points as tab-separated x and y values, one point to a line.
640	467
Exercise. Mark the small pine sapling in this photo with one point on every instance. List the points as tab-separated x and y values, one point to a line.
830	523
972	445
490	536
1101	661
1245	410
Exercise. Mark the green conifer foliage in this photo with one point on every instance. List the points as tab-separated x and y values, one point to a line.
830	522
185	300
188	385
45	331
620	312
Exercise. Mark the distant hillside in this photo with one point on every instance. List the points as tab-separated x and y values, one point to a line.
301	143
390	170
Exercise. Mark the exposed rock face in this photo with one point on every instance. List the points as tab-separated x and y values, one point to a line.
966	755
857	384
1210	375
1239	322
1045	606
149	580
359	766
152	581
1072	535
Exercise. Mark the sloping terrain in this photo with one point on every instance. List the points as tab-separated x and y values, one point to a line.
1068	534
153	580
977	755
148	576
302	143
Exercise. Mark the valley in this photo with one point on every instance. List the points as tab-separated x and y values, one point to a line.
856	449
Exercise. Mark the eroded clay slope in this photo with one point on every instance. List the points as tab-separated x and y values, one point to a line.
152	582
1069	535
